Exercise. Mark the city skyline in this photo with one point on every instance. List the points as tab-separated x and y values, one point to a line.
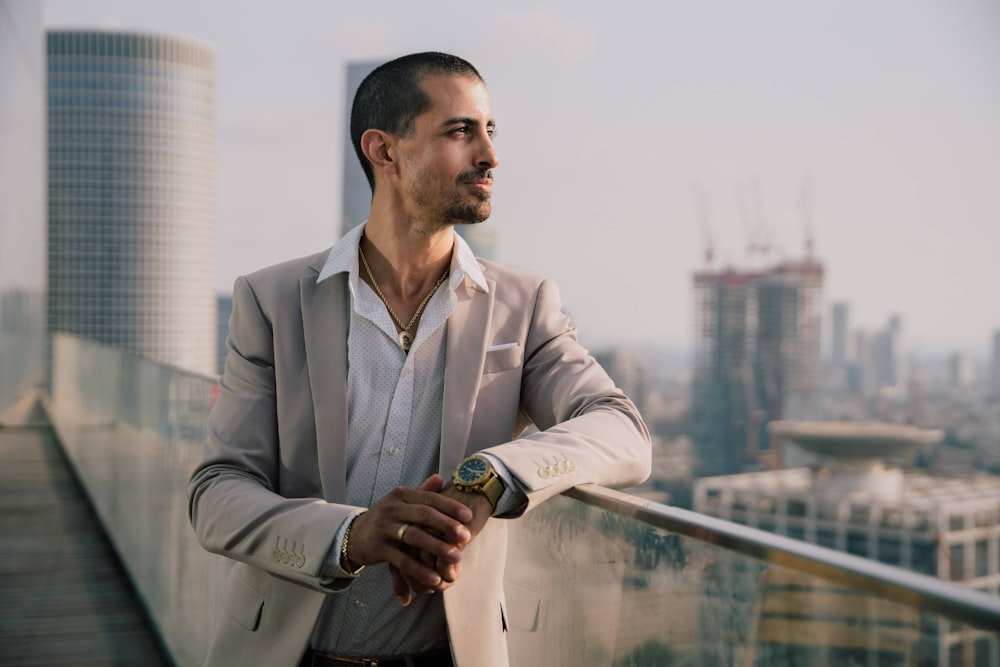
881	118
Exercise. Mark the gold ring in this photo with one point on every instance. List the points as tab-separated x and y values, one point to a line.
401	531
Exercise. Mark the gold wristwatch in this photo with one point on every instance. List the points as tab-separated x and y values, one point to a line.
475	474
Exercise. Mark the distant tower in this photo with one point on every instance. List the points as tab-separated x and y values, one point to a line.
995	365
841	327
863	381
131	138
961	370
357	199
839	348
757	359
357	196
721	409
888	357
22	197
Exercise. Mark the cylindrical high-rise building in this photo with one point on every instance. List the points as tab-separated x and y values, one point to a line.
131	140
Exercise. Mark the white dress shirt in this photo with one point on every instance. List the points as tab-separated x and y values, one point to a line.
394	434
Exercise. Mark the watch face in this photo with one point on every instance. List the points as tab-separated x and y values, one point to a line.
472	470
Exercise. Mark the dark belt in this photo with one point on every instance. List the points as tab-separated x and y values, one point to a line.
438	658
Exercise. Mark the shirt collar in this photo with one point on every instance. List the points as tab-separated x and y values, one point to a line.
343	258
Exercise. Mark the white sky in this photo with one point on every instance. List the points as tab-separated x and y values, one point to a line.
611	114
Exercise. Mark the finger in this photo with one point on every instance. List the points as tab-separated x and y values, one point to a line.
399	586
450	572
431	521
447	569
419	587
448	576
419	577
430	547
434	500
418	582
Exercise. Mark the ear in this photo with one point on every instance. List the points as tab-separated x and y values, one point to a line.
378	148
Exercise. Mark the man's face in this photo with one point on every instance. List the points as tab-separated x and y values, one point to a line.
446	163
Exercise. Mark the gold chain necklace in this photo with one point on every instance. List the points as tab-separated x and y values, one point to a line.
405	337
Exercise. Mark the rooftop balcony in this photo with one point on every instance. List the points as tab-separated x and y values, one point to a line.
595	577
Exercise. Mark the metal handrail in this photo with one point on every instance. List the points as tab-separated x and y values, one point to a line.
916	590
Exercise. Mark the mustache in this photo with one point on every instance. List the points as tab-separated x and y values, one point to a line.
470	176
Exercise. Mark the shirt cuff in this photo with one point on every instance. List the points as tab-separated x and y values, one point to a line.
514	498
331	567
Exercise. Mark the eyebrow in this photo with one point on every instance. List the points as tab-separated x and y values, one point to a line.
463	120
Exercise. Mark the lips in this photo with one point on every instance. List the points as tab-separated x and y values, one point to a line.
479	181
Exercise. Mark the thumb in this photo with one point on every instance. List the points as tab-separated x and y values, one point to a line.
434	484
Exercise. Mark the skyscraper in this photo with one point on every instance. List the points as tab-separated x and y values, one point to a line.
357	197
757	357
131	194
995	365
841	327
889	359
840	330
961	370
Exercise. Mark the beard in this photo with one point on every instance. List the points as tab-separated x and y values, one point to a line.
465	213
456	206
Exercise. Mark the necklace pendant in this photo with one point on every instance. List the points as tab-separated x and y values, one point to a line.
405	340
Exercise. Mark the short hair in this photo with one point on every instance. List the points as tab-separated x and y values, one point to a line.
390	97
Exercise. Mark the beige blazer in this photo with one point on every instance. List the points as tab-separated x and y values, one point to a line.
267	491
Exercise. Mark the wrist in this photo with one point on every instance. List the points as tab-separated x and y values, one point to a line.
346	563
476	502
475	476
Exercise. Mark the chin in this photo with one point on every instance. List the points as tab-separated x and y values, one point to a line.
470	215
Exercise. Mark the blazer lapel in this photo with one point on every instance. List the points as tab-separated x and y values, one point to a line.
324	325
468	332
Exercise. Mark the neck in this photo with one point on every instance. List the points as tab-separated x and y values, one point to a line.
406	259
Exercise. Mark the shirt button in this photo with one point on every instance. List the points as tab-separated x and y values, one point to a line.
393	450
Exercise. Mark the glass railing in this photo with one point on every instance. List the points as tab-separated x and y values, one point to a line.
595	577
21	365
601	577
132	429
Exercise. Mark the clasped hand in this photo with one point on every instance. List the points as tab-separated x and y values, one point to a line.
439	522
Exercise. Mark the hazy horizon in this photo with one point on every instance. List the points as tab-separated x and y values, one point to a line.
610	118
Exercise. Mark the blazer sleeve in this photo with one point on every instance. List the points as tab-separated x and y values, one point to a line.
233	498
589	432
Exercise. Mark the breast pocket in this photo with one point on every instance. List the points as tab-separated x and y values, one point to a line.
502	358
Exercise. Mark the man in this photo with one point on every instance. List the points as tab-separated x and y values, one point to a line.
356	375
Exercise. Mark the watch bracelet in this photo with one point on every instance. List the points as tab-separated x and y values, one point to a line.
345	562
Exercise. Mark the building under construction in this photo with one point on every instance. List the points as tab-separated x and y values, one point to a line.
757	359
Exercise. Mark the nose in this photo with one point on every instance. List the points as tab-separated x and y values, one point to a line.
487	158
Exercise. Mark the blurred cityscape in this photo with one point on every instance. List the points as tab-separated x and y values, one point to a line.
106	223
